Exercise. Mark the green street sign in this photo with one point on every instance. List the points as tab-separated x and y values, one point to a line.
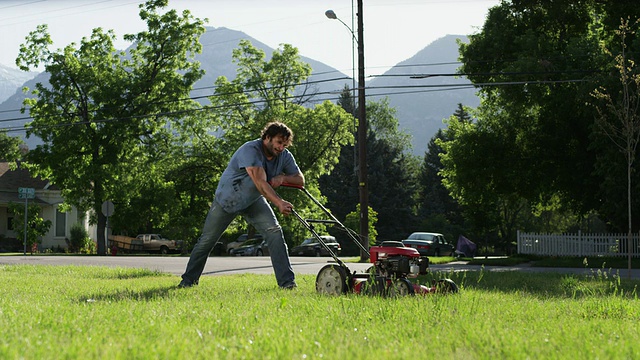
26	193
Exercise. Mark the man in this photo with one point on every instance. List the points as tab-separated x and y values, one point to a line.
254	171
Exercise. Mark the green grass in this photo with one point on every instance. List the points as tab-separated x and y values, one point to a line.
554	261
592	262
69	312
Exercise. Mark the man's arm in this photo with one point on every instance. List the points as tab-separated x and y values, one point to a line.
296	179
259	177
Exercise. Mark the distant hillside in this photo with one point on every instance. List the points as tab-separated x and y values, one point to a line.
423	105
11	80
218	45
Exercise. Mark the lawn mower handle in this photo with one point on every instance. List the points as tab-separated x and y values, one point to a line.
301	187
327	212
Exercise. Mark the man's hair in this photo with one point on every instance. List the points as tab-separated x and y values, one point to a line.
276	128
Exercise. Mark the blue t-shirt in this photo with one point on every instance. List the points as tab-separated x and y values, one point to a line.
236	191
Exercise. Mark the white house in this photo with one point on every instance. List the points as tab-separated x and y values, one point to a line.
48	197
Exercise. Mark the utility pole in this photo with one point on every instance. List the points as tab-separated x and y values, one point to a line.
362	140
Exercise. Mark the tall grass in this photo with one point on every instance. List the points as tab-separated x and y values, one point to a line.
98	312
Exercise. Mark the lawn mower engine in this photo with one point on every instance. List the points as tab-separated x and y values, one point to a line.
393	264
392	259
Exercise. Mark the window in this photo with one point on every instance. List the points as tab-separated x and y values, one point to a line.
10	223
61	223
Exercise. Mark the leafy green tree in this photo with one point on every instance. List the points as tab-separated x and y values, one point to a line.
434	198
36	225
540	120
10	147
538	63
352	220
486	187
105	119
480	183
437	209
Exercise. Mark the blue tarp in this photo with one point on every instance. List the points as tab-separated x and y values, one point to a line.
465	247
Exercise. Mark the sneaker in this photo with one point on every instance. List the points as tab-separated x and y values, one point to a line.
289	287
187	284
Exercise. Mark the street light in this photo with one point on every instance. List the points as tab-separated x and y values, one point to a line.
332	15
362	130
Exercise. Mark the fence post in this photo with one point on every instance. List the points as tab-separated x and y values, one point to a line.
580	242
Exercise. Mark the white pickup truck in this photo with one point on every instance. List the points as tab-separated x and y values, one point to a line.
144	242
155	242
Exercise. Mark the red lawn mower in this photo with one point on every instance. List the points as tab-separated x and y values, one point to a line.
392	265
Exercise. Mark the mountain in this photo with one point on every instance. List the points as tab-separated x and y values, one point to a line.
420	107
421	94
218	45
11	80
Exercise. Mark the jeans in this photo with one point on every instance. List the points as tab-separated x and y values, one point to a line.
261	216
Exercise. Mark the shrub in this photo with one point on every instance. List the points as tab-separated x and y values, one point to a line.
79	241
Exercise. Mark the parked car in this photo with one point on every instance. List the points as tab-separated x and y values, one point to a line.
311	247
429	244
240	240
143	242
252	247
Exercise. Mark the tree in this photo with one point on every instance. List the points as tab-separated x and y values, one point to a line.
36	226
538	63
619	119
437	209
434	198
105	111
352	220
10	147
483	185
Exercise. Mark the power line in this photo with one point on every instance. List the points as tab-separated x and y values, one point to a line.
411	76
439	87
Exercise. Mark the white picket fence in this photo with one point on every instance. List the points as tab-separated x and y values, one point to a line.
578	244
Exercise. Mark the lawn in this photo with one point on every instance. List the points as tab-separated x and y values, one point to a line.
69	312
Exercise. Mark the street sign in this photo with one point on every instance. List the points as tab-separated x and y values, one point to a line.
26	193
107	208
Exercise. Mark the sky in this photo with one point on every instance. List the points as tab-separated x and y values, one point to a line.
394	30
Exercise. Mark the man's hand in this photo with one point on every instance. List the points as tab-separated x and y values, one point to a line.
259	177
296	179
276	181
285	207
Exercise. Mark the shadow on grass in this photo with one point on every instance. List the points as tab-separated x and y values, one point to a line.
244	287
127	273
129	295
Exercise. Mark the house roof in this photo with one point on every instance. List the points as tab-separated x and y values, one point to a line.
11	180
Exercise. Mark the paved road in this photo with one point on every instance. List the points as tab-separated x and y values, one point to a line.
224	265
216	265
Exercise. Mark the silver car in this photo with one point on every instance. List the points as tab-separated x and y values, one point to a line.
429	244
